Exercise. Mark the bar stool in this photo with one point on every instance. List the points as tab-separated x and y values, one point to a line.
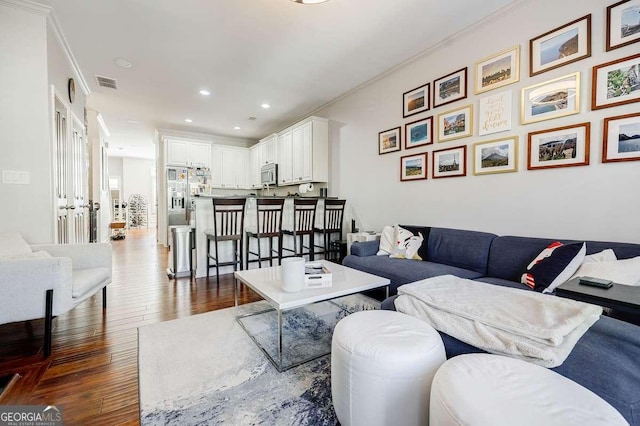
269	225
304	219
228	225
332	223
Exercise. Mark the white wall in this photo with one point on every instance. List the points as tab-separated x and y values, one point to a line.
136	178
25	140
599	201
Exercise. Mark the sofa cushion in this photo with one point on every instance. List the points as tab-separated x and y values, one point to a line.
554	265
403	271
407	244
88	279
460	248
625	271
12	244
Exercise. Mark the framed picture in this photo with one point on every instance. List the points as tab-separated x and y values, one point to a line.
416	101
623	24
496	156
450	162
418	133
566	146
552	99
455	124
389	141
621	138
413	167
564	45
450	88
498	70
494	114
616	83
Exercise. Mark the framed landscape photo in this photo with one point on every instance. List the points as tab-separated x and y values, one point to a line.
416	100
623	24
561	46
566	146
496	156
389	141
418	133
455	124
498	70
450	162
621	138
413	167
552	99
616	83
450	88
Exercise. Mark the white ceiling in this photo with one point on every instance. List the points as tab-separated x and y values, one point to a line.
295	57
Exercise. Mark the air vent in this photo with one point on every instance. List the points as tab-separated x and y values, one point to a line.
106	82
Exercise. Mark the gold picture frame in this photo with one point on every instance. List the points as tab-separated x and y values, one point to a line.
551	99
498	70
496	156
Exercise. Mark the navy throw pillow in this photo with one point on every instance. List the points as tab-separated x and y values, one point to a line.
554	265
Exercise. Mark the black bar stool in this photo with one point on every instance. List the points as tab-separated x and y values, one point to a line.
228	225
304	219
331	224
268	225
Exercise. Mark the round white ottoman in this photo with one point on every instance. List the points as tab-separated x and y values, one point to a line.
382	365
492	390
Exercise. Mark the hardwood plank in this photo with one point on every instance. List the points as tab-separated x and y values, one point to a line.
93	369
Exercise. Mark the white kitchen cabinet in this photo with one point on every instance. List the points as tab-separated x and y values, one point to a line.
234	167
302	153
269	147
285	165
188	154
255	162
216	166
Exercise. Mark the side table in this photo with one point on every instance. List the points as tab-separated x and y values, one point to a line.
622	298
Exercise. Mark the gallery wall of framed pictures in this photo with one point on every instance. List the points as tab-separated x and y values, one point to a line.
562	82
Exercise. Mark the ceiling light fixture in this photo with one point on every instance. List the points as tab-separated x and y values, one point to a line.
123	63
205	92
236	128
265	106
308	1
188	120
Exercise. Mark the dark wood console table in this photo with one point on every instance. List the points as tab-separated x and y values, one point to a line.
622	298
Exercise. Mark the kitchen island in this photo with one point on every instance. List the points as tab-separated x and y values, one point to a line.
204	220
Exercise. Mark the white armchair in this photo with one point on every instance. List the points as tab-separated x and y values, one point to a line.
44	281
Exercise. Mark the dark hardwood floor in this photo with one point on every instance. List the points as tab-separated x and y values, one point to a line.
92	372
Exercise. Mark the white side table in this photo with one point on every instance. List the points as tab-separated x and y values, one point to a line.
360	237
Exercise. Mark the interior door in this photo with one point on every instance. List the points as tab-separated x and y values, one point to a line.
71	183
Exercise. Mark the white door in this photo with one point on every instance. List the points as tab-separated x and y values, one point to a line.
71	183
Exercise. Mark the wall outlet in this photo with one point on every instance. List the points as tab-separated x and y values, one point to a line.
16	177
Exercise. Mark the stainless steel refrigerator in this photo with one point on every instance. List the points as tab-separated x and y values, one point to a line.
183	184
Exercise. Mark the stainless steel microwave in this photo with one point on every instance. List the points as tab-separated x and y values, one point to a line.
269	174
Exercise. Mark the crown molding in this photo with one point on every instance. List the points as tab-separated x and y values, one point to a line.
57	31
29	6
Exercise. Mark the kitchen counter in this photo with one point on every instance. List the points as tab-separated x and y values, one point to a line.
286	197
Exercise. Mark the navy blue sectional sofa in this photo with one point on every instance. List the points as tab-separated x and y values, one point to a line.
605	360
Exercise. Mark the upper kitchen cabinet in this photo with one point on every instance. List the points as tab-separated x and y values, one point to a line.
269	149
188	154
303	152
255	163
229	167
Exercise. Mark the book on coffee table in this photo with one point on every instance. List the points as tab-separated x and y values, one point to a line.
316	275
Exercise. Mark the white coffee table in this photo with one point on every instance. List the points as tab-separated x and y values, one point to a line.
267	282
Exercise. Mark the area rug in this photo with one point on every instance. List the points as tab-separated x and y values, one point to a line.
205	369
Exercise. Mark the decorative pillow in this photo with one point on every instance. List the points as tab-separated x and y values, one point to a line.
607	255
387	241
425	231
554	265
12	244
407	244
626	271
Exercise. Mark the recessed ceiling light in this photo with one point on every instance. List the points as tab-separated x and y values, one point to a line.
236	128
205	92
265	106
123	63
188	120
132	121
308	1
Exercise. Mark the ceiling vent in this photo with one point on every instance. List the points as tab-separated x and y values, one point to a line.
106	82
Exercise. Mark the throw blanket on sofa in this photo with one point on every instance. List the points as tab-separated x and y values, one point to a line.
538	328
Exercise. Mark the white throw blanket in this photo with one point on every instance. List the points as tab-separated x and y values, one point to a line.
538	328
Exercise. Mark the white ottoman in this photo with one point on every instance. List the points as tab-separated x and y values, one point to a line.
492	390
382	365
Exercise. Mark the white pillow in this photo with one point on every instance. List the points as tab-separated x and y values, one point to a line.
607	255
387	241
407	244
34	255
12	244
626	271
